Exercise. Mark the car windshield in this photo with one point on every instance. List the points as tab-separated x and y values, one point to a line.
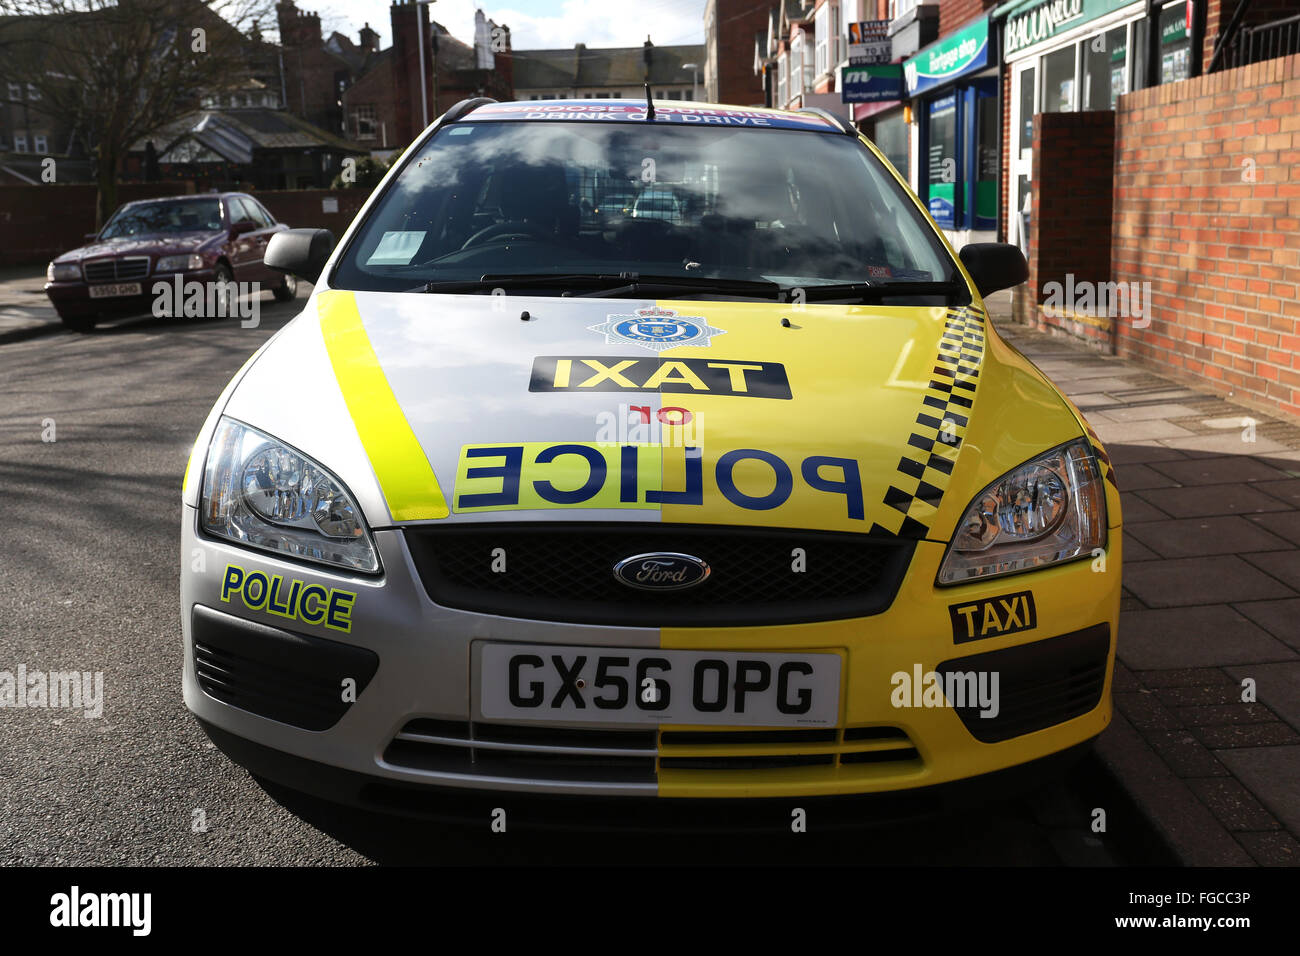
189	215
531	199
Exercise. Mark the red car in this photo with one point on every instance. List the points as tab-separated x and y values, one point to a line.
215	237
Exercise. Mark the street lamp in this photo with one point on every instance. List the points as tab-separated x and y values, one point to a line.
695	79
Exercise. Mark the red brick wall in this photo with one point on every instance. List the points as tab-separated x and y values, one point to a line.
953	13
738	21
30	236
1222	252
1071	225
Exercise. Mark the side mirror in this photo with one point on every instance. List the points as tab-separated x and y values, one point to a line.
239	228
300	252
994	265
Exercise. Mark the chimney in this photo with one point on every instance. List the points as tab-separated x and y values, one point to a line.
369	39
647	53
297	28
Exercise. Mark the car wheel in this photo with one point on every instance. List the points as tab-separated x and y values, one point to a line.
286	290
78	323
224	300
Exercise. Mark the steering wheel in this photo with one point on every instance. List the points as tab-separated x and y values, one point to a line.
513	229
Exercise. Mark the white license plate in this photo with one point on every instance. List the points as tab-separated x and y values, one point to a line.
643	686
114	289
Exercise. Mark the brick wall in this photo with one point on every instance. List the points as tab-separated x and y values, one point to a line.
954	13
30	236
738	21
1207	199
1071	226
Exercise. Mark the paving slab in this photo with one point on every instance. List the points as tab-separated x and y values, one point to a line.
1093	400
1234	805
1135	509
1146	413
1140	431
1194	537
1284	524
1279	618
1277	686
1271	847
1283	565
1135	550
1142	452
1204	500
1273	775
1287	491
1205	636
1217	471
1211	446
1182	582
1142	477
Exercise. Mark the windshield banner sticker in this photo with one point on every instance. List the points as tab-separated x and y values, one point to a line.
602	373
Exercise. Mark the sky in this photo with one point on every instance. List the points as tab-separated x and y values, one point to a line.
534	24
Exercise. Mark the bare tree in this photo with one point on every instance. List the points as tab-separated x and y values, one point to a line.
120	72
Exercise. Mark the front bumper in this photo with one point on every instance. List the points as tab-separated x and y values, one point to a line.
278	685
72	298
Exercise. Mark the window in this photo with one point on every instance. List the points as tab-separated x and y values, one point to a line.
674	94
32	92
260	216
39	144
796	65
782	75
363	121
822	37
1058	82
891	138
20	142
239	212
1104	76
15	91
1175	43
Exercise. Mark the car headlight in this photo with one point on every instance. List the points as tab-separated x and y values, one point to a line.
1050	509
179	263
62	272
260	492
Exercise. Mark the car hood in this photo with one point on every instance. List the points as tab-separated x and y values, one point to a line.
151	244
451	408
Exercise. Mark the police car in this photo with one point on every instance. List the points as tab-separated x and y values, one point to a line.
744	498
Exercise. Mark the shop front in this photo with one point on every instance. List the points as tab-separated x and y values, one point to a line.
953	86
1071	55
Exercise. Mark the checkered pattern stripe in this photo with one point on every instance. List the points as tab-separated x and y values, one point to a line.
926	466
1103	459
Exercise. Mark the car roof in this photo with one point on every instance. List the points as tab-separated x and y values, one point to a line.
669	112
188	197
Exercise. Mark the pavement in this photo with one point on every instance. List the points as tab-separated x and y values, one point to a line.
25	310
1207	682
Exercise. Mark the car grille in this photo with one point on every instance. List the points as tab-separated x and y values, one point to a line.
1039	685
116	270
564	572
292	678
638	756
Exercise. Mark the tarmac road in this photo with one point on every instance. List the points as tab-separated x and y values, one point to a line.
89	526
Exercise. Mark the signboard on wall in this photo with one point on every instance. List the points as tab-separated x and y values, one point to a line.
1032	23
869	42
871	83
965	51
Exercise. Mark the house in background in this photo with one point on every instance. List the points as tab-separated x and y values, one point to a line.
673	72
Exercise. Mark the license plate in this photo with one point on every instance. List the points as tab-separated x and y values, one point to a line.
114	289
641	686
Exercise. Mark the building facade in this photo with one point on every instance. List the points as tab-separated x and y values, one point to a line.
673	72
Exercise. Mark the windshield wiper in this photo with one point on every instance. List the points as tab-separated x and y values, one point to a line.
873	291
608	284
654	284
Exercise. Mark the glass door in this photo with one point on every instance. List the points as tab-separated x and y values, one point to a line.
1024	104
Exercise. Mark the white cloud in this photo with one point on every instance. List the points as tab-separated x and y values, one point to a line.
596	23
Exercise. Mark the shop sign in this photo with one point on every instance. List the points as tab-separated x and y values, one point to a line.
871	83
960	53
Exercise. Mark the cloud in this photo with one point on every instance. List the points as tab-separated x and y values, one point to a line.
596	23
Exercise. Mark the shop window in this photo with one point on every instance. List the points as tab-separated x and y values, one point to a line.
891	139
1058	82
1027	109
1104	78
941	160
1175	44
